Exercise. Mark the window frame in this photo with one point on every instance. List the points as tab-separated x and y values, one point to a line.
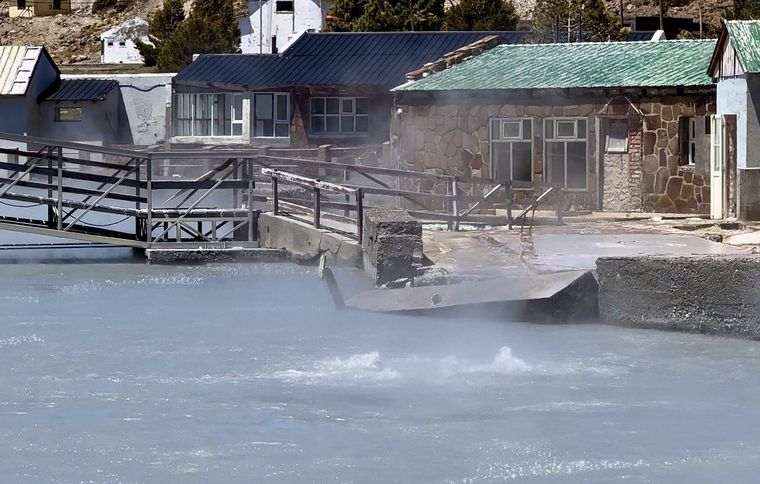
277	6
565	140
511	141
616	150
59	119
341	114
276	120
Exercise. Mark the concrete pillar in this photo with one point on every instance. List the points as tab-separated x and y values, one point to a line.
390	239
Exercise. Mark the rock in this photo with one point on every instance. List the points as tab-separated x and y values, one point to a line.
673	188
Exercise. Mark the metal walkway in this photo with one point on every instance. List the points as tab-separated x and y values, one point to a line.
114	196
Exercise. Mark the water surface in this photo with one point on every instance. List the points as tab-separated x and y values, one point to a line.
124	372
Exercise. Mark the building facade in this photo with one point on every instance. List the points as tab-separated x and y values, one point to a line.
38	8
735	67
268	26
326	88
618	126
117	45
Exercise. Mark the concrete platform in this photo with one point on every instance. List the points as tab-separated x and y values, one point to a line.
205	256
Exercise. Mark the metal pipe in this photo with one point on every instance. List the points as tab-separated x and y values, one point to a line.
317	208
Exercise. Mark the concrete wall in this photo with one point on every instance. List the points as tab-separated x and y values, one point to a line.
142	116
307	14
701	294
444	135
390	239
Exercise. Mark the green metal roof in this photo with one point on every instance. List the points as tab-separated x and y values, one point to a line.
745	37
670	63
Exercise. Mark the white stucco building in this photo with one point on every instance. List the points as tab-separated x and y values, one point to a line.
117	45
270	25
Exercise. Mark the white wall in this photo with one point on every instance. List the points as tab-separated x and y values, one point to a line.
142	114
306	15
116	53
732	99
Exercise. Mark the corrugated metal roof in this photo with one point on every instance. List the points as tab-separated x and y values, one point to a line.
16	67
333	59
640	36
669	63
745	37
82	90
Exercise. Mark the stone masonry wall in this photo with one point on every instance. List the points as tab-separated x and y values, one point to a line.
452	138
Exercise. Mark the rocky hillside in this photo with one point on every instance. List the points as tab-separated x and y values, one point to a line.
75	38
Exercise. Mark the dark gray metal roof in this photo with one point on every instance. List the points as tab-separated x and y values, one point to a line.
639	36
81	90
379	59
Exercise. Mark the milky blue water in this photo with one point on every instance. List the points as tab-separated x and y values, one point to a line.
124	372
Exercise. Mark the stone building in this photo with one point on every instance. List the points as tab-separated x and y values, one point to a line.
619	126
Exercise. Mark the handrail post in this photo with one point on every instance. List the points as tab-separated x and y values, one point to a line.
508	189
275	197
455	203
448	207
51	210
137	202
149	199
558	203
317	208
360	214
60	188
251	186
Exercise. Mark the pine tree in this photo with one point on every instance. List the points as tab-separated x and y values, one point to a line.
385	15
743	10
481	15
574	21
210	28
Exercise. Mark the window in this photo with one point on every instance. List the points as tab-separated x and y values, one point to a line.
56	4
616	136
284	6
122	44
512	149
339	115
63	115
271	115
20	3
208	114
110	43
694	134
565	152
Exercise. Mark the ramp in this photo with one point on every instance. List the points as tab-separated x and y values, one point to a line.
523	288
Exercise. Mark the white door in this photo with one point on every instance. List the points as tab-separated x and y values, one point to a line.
717	163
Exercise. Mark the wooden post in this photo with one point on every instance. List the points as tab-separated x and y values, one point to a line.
346	179
138	222
149	199
359	214
508	190
317	208
324	154
449	207
455	203
275	197
60	189
251	186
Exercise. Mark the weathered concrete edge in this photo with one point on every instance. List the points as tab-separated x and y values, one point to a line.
204	256
304	243
706	294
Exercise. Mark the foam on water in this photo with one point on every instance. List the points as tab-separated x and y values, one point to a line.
20	340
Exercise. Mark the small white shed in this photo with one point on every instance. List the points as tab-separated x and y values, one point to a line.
117	45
